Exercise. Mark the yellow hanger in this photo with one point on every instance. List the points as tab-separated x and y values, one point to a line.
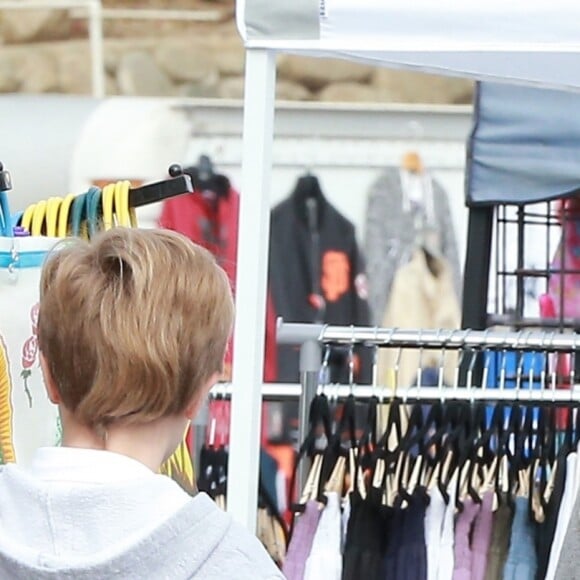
52	210
27	217
126	216
108	200
38	218
63	213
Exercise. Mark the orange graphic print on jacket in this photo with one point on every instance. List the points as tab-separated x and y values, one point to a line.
335	275
6	443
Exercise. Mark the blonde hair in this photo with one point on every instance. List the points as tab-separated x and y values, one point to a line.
132	324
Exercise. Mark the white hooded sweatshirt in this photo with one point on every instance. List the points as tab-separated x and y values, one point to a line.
91	515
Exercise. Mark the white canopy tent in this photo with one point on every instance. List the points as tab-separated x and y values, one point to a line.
511	41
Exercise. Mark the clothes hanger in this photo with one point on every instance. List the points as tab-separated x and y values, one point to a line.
64	215
52	212
319	415
309	200
26	221
78	213
94	211
38	218
334	463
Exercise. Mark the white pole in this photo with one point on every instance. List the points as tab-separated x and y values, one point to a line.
97	48
251	285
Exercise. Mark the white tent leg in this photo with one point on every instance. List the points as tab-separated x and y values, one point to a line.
254	228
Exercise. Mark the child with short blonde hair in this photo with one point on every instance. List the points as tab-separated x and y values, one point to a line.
132	331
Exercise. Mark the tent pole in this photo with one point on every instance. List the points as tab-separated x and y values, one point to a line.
251	283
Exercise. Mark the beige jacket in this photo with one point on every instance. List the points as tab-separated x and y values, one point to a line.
420	300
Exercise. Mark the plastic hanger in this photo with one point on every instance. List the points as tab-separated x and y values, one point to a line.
108	201
64	215
52	212
78	214
122	210
38	218
26	221
93	211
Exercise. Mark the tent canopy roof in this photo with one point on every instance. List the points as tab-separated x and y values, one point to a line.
517	40
524	145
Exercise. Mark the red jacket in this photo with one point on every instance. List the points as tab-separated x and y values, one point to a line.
212	222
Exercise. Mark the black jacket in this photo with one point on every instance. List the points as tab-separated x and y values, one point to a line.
297	276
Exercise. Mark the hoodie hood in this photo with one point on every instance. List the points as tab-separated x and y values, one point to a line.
131	528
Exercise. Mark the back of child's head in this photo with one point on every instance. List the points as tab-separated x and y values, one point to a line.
132	324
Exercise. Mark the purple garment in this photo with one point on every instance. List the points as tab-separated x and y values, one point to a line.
301	542
481	537
463	553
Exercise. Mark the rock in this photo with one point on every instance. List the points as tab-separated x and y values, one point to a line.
289	91
9	82
19	26
184	63
349	92
205	89
139	75
230	61
75	72
115	48
39	72
231	88
316	73
413	87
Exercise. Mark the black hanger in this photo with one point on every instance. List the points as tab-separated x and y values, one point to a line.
414	428
318	415
309	200
206	179
393	423
335	449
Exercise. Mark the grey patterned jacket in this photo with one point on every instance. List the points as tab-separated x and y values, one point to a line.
391	236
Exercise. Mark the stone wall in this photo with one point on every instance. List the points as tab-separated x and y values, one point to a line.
48	52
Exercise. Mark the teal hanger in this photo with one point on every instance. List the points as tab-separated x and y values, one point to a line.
78	213
94	211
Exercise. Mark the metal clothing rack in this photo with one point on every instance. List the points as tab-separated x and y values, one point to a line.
312	337
545	341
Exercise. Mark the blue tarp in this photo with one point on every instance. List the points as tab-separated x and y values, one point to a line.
525	145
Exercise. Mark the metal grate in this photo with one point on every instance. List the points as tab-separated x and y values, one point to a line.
526	255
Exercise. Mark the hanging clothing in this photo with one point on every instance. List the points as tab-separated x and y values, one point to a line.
568	563
522	561
301	542
211	220
500	541
481	537
547	529
463	549
391	237
564	517
332	290
325	560
420	299
365	542
393	526
412	551
447	547
434	518
345	517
